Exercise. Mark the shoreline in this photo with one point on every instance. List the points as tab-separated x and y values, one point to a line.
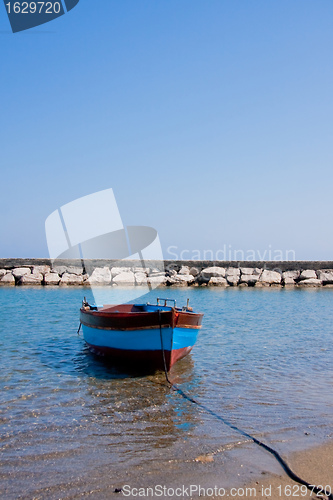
314	465
253	474
153	274
259	476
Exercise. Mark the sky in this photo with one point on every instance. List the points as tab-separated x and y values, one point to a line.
210	120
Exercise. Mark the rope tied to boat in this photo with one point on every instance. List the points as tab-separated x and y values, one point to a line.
313	488
162	347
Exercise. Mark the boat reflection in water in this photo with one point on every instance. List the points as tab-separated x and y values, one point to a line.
135	419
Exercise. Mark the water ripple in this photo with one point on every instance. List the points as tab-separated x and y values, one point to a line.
263	361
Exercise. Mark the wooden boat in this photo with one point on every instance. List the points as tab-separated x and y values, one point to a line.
153	336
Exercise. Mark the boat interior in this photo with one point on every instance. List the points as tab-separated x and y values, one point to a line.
135	308
161	305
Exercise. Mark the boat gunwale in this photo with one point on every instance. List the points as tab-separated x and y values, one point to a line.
149	327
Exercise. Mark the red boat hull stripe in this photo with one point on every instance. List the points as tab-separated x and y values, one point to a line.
149	358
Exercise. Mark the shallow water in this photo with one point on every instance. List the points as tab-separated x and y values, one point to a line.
73	426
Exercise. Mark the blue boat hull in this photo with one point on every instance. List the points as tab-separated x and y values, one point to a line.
142	345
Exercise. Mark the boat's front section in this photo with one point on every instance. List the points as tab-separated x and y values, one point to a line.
186	330
129	334
152	336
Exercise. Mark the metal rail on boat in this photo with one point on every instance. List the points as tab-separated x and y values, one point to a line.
165	302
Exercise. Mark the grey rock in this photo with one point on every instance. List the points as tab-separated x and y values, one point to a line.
233	271
51	279
144	270
308	274
7	279
118	270
172	267
270	277
31	279
141	278
310	282
170	273
187	278
217	281
232	280
184	270
194	271
41	269
69	279
156	274
2	272
157	280
21	271
326	276
247	270
75	270
213	272
290	274
289	281
250	279
181	280
155	271
100	276
125	278
78	270
59	270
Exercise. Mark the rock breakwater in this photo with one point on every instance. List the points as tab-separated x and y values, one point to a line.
42	272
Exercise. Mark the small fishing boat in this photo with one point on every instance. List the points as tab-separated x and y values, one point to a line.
150	335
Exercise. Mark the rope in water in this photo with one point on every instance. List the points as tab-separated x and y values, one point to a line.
282	462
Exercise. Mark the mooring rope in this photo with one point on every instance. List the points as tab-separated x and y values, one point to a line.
282	462
163	351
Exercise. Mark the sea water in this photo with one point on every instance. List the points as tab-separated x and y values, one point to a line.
73	425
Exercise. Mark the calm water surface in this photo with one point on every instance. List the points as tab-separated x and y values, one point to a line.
72	426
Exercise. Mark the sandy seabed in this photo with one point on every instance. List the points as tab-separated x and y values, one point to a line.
314	466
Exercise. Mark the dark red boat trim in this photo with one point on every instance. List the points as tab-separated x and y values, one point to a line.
125	321
153	359
124	318
192	320
110	328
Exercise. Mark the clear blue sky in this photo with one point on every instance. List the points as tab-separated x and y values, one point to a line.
211	120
